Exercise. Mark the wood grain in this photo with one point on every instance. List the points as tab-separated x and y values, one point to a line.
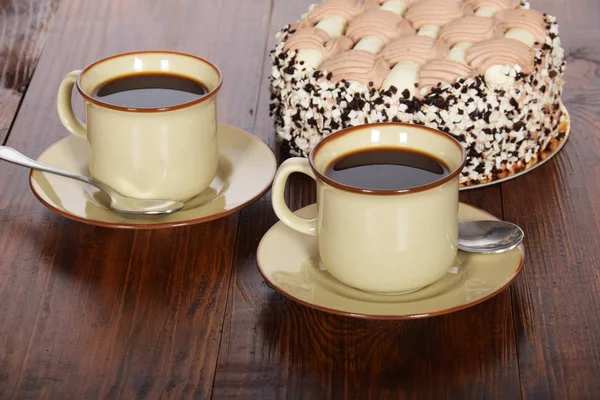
557	299
89	312
23	27
274	348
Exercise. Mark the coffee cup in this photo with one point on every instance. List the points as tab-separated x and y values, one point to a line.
381	241
167	151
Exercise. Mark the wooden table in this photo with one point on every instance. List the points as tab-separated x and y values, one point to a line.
88	312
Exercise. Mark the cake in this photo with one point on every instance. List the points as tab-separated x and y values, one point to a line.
488	72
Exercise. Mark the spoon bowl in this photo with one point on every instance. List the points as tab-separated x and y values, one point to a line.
488	237
118	202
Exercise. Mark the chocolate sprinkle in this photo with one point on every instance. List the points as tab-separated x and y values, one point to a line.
517	126
440	103
325	106
486	116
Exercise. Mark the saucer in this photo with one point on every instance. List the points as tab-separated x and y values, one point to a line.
288	261
245	172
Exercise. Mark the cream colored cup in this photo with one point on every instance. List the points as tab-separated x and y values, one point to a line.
147	153
380	241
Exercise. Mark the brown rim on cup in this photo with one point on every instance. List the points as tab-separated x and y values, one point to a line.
100	103
384	192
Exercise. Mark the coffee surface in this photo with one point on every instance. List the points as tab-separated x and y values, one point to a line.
155	90
386	169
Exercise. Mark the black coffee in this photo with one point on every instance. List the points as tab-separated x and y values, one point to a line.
386	169
152	90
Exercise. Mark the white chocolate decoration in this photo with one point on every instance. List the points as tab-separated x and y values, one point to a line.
429	30
497	77
369	43
496	58
403	76
487	11
531	21
314	45
372	43
395	6
334	26
330	16
451	84
441	72
455	37
312	58
408	54
457	53
357	66
463	32
521	35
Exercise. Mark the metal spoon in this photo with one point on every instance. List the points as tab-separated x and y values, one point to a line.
118	203
488	237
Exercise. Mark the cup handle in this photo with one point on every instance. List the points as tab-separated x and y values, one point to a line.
303	225
65	108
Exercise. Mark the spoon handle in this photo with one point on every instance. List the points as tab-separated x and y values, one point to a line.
13	156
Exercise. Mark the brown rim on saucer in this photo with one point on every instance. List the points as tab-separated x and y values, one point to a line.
390	317
209	95
171	224
388	192
118	225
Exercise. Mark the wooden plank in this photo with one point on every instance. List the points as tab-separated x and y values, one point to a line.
23	29
557	300
274	348
87	312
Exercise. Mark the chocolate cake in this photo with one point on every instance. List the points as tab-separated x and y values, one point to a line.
488	72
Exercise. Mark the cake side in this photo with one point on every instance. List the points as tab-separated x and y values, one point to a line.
503	130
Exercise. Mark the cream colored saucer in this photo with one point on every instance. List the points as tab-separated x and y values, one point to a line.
246	170
288	261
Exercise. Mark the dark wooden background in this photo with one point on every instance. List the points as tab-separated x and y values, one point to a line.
89	312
